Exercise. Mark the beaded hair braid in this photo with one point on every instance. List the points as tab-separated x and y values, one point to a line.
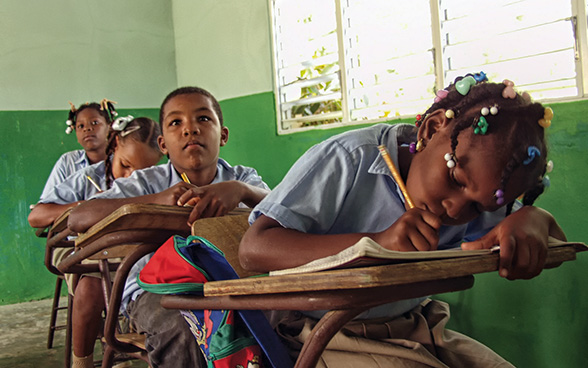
141	129
516	124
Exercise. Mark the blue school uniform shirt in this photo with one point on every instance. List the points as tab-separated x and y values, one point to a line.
77	187
343	185
157	179
67	164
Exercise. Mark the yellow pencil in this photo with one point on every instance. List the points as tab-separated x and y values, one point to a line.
185	178
395	174
94	183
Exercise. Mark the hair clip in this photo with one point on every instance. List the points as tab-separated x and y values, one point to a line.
441	94
417	146
449	114
480	77
463	86
508	91
121	123
545	122
532	152
499	195
450	160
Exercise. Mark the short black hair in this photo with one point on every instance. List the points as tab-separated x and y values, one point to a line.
188	91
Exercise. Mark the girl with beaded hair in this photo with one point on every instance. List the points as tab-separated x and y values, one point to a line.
91	122
478	148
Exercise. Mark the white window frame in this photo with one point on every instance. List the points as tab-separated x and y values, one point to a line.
578	19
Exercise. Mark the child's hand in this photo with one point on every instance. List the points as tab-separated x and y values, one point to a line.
170	195
415	230
522	237
211	200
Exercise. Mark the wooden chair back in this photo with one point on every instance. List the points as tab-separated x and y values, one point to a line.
225	233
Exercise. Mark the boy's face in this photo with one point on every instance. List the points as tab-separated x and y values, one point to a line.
192	134
462	193
91	130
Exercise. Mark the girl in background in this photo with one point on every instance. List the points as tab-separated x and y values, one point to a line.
132	145
91	122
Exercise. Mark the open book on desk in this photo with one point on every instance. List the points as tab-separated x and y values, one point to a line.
366	252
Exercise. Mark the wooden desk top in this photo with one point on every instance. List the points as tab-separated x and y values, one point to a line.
374	276
138	216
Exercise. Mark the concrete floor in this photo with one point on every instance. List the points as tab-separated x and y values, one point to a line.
23	343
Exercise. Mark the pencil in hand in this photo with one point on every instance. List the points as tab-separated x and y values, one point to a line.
185	179
395	175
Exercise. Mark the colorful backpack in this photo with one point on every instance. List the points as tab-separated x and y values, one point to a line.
227	338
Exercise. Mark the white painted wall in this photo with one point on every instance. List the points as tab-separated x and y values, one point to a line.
56	51
223	46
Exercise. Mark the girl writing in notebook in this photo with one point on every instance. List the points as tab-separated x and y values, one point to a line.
473	153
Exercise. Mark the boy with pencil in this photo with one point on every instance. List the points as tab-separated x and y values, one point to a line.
192	134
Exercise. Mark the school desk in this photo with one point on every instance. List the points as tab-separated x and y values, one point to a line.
346	293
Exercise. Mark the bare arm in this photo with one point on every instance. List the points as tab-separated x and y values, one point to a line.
44	214
268	246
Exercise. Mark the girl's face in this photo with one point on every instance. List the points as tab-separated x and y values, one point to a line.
462	193
192	134
130	155
91	130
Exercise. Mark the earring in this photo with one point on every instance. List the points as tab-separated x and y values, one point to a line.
417	146
450	160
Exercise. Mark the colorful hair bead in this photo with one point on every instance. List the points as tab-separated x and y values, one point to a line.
480	126
412	147
417	146
547	116
499	195
532	152
549	166
441	94
508	91
463	86
480	77
450	160
70	119
449	114
419	120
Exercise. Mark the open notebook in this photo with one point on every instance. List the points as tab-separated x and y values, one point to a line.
367	252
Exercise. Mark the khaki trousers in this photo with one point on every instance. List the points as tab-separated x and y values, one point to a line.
417	339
